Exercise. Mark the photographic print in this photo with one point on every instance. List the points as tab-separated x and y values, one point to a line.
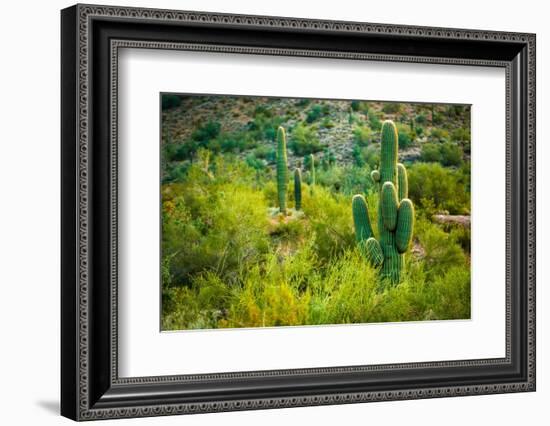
302	212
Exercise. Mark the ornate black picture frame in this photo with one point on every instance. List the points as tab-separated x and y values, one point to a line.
91	36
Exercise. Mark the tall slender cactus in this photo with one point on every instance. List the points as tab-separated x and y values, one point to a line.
395	211
297	188
312	169
282	169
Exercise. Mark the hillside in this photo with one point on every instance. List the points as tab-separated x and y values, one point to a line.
343	132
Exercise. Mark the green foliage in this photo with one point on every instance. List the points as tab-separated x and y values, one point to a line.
456	110
439	135
329	215
438	119
255	163
438	188
219	216
392	107
229	259
170	101
266	152
374	122
451	154
206	132
371	155
460	135
316	112
442	249
327	123
304	140
362	135
421	119
357	154
447	153
431	153
405	140
360	106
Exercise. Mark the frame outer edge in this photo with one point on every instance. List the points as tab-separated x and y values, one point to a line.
83	13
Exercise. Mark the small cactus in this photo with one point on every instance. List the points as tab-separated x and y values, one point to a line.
282	169
312	169
395	211
297	189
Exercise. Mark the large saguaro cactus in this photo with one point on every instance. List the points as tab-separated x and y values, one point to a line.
395	211
282	169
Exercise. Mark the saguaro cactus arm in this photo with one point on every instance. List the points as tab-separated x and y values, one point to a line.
361	221
405	224
372	251
402	182
389	205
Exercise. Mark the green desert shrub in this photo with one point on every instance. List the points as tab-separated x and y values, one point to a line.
330	220
371	155
374	122
447	153
451	154
264	124
327	123
404	136
442	250
356	180
170	101
452	292
430	153
460	135
304	140
206	132
456	110
255	163
439	135
220	219
357	154
266	152
362	135
175	172
315	113
421	119
438	119
330	177
392	107
443	188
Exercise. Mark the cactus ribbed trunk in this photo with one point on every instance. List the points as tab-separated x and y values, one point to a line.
282	169
312	169
395	211
297	189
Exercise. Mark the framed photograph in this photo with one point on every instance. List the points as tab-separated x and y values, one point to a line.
263	212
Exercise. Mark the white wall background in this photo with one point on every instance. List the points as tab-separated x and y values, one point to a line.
29	212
